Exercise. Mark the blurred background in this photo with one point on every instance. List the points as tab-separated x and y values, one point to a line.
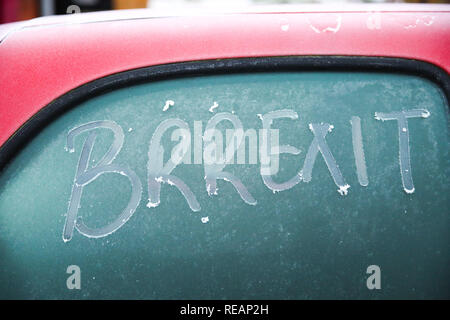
17	10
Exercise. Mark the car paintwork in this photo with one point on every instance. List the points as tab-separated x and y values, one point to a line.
44	59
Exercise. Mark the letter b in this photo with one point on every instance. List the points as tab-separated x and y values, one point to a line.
86	174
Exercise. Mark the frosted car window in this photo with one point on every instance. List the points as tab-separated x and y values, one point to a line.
268	185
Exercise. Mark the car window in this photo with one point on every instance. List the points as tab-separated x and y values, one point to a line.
276	185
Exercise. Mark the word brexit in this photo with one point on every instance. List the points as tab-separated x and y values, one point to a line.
209	150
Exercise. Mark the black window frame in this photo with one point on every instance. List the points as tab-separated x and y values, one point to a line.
97	87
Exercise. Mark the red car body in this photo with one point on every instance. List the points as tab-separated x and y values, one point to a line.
45	58
328	246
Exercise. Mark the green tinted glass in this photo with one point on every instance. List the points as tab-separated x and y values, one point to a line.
264	186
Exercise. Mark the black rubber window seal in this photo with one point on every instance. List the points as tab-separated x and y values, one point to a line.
213	67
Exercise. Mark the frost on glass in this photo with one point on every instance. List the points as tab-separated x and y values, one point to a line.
158	172
85	175
270	158
214	164
358	151
403	143
160	252
319	143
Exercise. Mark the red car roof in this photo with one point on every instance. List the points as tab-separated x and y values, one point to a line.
45	58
